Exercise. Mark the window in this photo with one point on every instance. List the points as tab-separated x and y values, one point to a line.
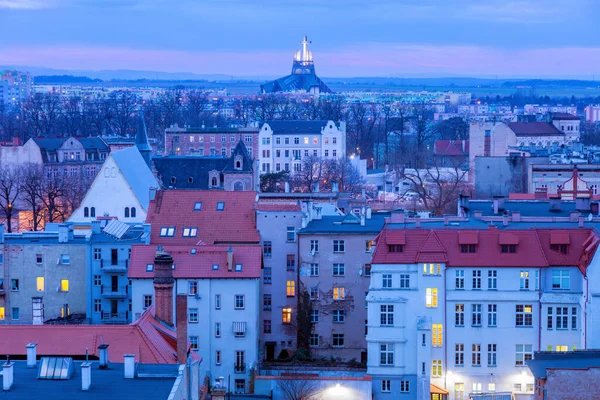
506	248
286	315
220	206
334	152
492	309
267	276
476	314
476	279
314	340
126	212
574	318
189	232
476	355
86	212
97	254
149	267
314	316
369	246
476	387
314	269
193	342
15	313
64	285
563	248
460	280
404	281
192	287
549	317
339	316
314	246
459	354
431	297
386	354
217	301
491	356
524	283
459	315
493	279
238	268
290	234
339	293
147	301
459	390
436	368
93	212
524	353
339	269
338	340
267	302
386	315
314	293
387	281
467	248
562	318
434	269
339	246
367	270
386	386
39	259
218	357
291	288
395	248
97	280
240	361
560	279
524	315
97	305
39	283
267	248
436	335
291	262
198	206
193	315
167	232
239	301
518	387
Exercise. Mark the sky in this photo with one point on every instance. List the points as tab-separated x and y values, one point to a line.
350	38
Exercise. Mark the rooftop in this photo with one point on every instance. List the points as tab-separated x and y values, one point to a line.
347	224
534	129
581	359
307	127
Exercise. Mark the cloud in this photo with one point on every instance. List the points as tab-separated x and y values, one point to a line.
27	4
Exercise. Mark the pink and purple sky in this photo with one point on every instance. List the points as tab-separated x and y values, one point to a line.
351	38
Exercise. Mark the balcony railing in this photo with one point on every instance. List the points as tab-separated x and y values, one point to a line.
107	291
115	318
120	267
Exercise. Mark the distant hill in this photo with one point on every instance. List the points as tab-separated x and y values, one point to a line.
52	79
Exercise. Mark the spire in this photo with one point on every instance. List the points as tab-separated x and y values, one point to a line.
141	141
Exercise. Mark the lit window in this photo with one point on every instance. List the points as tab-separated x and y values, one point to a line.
524	281
339	293
291	288
524	315
305	140
167	232
431	297
64	285
40	283
286	315
436	368
149	267
562	348
436	336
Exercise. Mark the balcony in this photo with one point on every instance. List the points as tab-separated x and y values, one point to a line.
119	268
111	292
115	318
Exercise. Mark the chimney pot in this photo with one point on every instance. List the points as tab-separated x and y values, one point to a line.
418	221
31	355
230	259
86	376
7	376
103	352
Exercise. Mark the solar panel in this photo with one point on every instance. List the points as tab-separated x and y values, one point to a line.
116	228
55	368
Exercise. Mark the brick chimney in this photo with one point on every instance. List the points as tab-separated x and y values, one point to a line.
163	286
181	320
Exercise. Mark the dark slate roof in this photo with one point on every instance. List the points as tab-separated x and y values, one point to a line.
528	208
295	83
297	126
240	149
141	135
568	360
565	116
347	224
106	384
90	144
534	129
190	172
49	144
94	143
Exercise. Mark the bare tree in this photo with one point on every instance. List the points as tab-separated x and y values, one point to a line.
42	112
31	189
52	193
196	108
123	105
10	186
298	387
421	117
311	172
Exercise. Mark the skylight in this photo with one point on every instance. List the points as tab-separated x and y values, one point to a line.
198	206
167	231
220	206
238	267
149	267
215	266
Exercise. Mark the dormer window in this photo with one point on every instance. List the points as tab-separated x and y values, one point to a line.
395	248
508	248
167	232
562	248
238	267
468	248
189	232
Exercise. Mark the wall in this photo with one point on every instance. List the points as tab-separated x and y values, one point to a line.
501	137
182	385
326	388
568	384
18	155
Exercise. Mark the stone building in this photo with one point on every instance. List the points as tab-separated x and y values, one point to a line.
205	141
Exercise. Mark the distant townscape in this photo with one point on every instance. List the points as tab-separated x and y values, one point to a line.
298	243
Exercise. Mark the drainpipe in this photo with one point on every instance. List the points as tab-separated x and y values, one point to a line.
445	329
543	389
587	294
540	309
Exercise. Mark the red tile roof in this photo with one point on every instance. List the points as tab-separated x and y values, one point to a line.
147	338
534	129
467	237
199	265
533	248
451	148
395	237
236	223
278	207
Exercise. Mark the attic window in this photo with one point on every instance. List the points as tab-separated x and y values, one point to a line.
198	206
395	248
190	180
167	232
238	267
468	248
508	248
193	251
215	267
189	232
562	248
220	206
149	267
173	179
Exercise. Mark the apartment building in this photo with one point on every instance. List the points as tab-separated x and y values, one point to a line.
461	309
205	141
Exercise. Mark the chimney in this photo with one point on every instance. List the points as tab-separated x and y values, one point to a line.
417	221
362	216
129	366
516	216
7	375
498	204
103	353
152	193
230	259
574	215
86	376
63	233
446	219
369	212
398	217
287	186
163	286
181	321
31	355
580	221
505	220
96	227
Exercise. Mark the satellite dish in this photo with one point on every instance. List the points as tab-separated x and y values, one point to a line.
590	217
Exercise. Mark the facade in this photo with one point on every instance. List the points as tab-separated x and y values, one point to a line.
18	86
284	144
334	268
560	179
73	157
451	153
477	303
43	275
188	141
592	113
532	109
121	189
303	78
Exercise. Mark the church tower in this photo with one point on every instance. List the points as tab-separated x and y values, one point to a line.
303	60
141	141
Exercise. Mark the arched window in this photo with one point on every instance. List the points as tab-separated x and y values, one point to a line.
238	165
238	186
86	212
213	181
93	212
126	212
132	212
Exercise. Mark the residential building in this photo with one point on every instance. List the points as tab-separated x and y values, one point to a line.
205	141
284	144
18	86
450	289
303	78
451	153
43	275
334	267
234	172
592	113
120	190
532	109
73	157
